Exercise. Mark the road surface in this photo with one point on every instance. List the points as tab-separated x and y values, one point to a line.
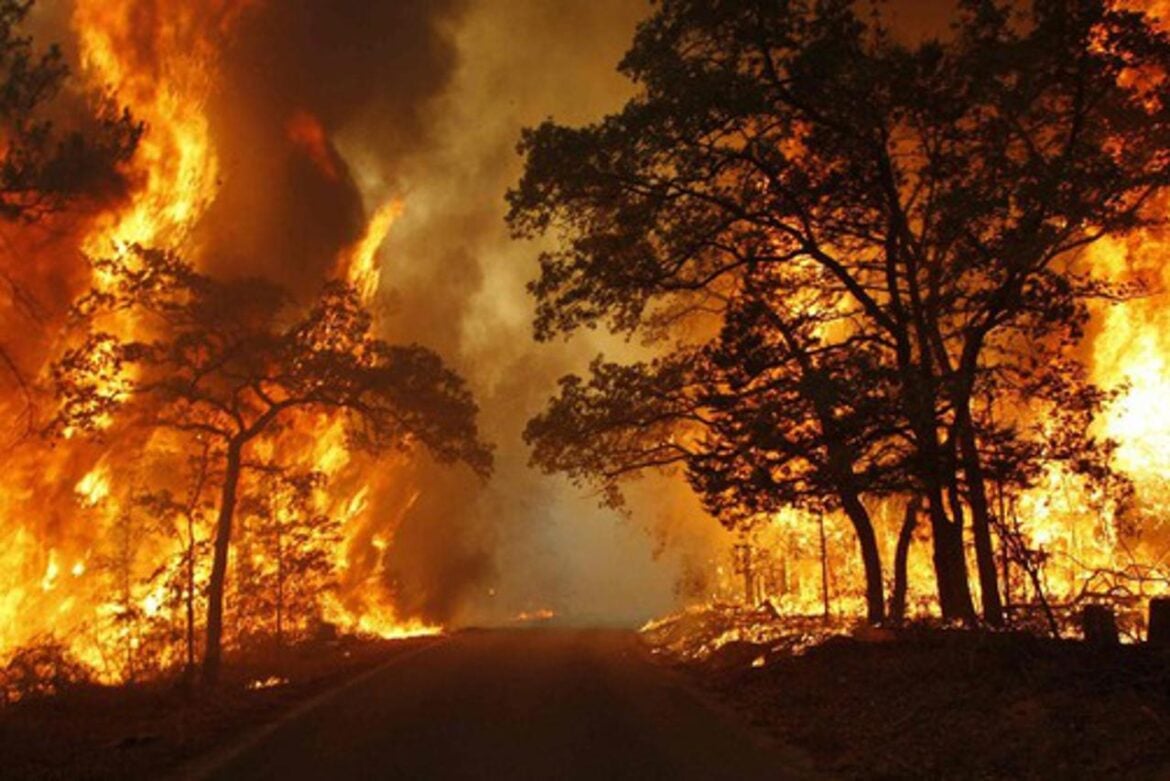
523	704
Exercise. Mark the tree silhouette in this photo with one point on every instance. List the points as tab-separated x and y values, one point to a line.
232	361
945	190
800	420
766	415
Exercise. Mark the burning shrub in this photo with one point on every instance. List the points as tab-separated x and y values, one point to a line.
43	669
287	558
727	635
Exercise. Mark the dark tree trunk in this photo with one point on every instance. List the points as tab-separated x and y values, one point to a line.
870	557
1159	628
212	655
901	556
950	564
1099	626
190	597
1004	551
936	473
980	522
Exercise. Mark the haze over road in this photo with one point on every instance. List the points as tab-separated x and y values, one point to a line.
536	704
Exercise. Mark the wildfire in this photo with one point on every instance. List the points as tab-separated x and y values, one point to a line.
168	79
98	564
78	563
1086	544
361	262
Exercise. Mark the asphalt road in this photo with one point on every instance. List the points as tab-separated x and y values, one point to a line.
535	704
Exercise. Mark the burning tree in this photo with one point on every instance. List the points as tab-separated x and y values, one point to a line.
184	513
46	164
293	545
232	362
943	192
763	417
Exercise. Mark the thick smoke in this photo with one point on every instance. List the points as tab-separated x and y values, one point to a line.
294	75
456	281
327	110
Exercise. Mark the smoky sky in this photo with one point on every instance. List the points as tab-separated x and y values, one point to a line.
455	279
424	101
344	63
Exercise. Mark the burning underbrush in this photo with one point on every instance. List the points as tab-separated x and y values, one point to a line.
724	635
728	636
48	669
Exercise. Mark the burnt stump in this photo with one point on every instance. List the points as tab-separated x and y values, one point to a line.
1099	625
1159	626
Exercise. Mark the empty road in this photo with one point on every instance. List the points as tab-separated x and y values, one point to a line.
523	704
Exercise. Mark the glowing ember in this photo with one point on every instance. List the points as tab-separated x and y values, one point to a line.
271	682
534	616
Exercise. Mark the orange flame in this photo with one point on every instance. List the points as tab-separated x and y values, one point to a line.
64	548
